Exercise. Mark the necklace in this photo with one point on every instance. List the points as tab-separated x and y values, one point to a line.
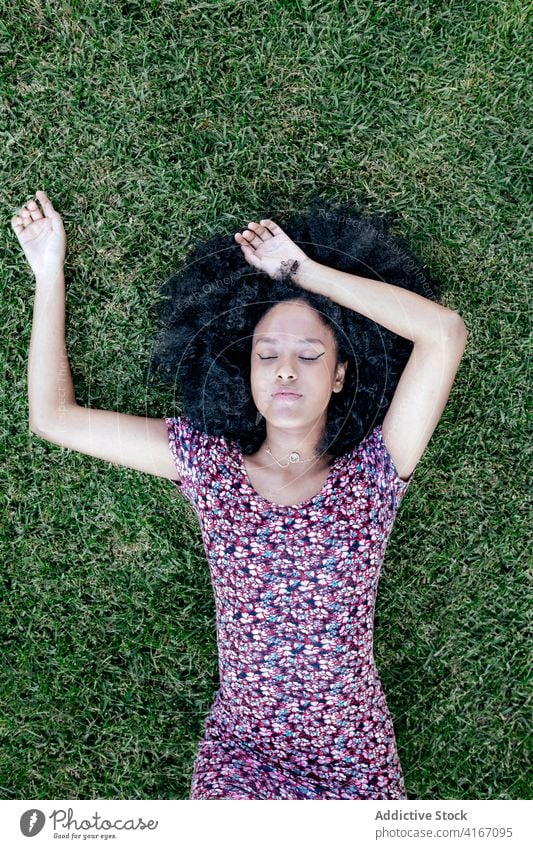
294	457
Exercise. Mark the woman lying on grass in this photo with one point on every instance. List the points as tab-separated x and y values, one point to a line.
310	392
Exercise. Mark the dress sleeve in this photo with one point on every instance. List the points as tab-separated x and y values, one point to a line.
184	441
381	468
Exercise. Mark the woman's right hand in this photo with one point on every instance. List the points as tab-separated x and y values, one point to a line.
41	237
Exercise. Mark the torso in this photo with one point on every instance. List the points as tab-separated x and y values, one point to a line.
300	712
271	485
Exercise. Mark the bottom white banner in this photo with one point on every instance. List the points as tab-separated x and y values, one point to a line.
350	824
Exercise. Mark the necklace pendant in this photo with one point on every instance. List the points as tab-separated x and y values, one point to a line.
294	457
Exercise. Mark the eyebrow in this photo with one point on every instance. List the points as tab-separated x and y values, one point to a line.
270	339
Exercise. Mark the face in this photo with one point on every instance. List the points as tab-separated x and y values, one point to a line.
292	349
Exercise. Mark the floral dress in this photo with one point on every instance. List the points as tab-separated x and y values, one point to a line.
300	712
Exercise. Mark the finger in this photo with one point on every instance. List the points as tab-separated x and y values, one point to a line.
252	238
244	243
34	210
260	231
45	202
16	223
250	256
21	219
272	226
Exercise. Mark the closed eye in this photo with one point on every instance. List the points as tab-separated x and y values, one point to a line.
301	358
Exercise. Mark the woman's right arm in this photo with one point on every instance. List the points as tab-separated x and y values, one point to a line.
135	441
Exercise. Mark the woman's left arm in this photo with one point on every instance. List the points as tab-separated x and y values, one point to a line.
439	336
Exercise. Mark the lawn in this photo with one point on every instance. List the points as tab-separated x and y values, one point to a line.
154	124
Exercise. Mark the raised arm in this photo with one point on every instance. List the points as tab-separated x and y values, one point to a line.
439	336
135	441
438	333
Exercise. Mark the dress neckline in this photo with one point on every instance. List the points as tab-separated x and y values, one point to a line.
301	504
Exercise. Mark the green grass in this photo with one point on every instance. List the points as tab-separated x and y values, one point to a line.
151	125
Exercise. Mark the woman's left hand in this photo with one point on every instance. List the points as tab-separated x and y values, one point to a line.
268	248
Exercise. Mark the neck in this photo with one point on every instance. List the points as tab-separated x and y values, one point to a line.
283	442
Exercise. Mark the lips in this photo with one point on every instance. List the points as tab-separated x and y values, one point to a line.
286	395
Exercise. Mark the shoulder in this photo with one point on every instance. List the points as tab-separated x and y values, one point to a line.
371	457
198	456
188	437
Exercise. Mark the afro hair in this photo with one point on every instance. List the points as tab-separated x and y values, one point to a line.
207	313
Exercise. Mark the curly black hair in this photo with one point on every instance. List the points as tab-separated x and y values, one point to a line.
209	309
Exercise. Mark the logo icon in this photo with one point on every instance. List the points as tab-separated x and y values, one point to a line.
31	822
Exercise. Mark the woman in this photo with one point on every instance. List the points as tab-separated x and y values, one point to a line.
305	417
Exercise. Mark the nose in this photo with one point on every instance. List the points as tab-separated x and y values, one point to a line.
286	368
